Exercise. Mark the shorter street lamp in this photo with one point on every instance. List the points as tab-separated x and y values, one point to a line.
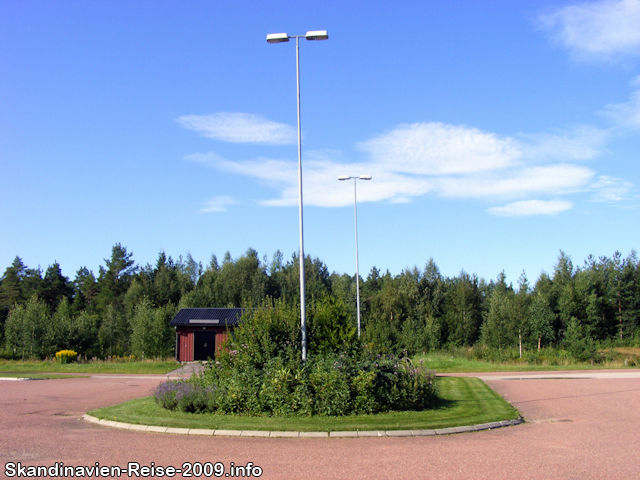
355	210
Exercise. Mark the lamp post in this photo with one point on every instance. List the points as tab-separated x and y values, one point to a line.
280	38
355	210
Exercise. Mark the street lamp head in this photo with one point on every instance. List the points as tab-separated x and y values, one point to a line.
365	177
277	37
344	177
317	35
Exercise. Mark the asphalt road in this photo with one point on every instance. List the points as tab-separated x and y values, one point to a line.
579	426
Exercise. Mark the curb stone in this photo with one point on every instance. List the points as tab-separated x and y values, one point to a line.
372	433
424	433
465	429
140	428
286	434
399	433
255	433
227	433
314	434
343	434
157	429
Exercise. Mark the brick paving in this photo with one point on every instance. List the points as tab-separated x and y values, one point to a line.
582	428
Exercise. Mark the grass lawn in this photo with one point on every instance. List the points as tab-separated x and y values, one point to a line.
148	367
462	401
443	362
39	376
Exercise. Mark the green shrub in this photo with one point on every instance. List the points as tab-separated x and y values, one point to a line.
184	396
363	386
329	379
534	357
578	342
329	384
260	371
284	389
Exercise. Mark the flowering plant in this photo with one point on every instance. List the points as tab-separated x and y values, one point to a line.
66	356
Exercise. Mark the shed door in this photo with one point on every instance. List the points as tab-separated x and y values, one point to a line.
204	345
184	352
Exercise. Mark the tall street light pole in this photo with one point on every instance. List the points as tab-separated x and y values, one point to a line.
280	38
355	211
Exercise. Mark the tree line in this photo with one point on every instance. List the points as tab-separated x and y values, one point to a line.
126	308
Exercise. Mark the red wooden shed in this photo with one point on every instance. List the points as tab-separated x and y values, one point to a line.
201	331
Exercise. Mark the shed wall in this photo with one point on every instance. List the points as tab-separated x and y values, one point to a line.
185	337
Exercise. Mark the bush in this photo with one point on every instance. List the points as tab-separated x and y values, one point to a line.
284	389
534	357
184	396
261	372
66	356
578	342
329	384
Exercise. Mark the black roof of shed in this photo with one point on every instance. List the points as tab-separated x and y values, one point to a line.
207	316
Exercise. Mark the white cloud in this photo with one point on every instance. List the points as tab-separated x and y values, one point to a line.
580	143
322	188
439	149
320	176
627	114
550	179
217	204
527	208
604	30
265	169
240	128
610	189
447	160
210	159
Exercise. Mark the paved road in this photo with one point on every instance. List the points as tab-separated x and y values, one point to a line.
577	428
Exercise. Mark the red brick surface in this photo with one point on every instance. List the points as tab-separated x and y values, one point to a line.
576	429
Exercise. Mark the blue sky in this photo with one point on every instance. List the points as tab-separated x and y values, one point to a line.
497	133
